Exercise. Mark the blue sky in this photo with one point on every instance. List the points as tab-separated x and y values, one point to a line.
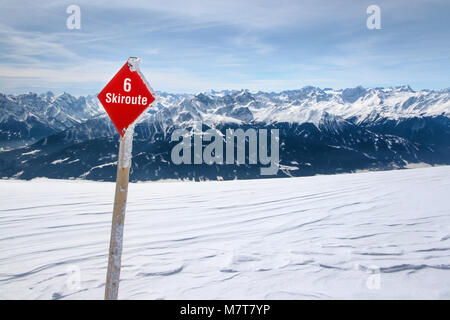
191	46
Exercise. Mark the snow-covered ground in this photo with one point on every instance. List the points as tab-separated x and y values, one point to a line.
365	235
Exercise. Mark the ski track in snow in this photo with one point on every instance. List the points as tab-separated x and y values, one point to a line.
295	238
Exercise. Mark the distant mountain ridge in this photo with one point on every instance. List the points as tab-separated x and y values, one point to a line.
321	131
27	118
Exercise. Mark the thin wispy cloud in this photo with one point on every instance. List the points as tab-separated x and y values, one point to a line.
201	45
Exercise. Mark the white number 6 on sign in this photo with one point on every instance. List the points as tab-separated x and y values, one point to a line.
127	85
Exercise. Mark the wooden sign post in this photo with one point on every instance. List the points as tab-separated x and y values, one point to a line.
118	219
124	98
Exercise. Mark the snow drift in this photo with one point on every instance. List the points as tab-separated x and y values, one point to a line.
366	235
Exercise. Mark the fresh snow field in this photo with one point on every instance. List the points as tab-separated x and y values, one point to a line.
352	236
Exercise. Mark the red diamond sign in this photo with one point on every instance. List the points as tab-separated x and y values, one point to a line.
126	96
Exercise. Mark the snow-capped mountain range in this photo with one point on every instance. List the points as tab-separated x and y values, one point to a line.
321	131
308	104
28	117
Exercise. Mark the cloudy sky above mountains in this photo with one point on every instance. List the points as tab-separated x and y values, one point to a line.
190	46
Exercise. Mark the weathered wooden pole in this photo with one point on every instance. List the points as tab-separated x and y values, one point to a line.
118	219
